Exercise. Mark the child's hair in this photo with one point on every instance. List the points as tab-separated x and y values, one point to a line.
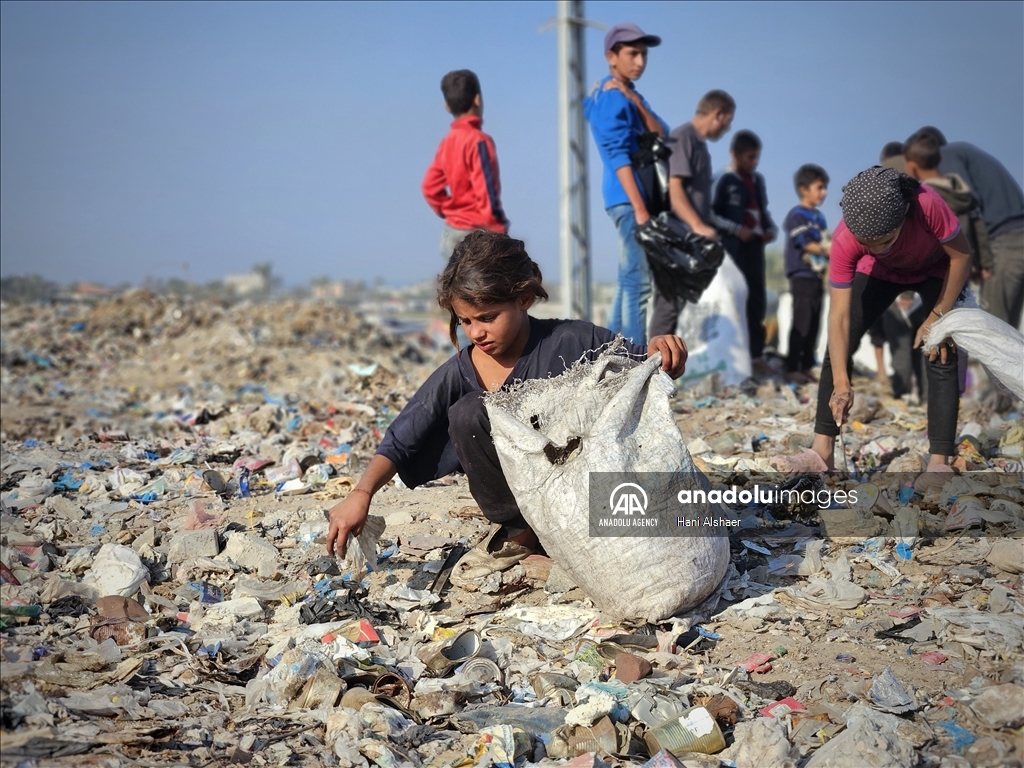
808	174
931	132
460	87
487	268
716	101
925	152
891	149
744	141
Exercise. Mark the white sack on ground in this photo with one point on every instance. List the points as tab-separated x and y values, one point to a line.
620	412
995	344
715	329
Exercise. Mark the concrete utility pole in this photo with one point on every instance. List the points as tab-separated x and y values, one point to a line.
572	162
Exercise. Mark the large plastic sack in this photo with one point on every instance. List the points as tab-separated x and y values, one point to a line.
611	415
715	329
682	263
999	347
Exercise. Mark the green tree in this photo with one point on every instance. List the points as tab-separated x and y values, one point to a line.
22	289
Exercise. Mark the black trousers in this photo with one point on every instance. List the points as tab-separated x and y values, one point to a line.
907	362
665	318
803	336
749	257
470	430
871	297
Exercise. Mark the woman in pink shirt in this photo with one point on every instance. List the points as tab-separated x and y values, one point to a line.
896	235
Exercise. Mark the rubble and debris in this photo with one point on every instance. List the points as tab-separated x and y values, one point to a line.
165	472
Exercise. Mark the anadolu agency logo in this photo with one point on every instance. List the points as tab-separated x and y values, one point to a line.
628	505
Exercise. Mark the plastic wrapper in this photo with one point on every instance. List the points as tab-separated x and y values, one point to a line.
682	263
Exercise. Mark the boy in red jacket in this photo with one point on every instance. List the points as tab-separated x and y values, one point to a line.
462	185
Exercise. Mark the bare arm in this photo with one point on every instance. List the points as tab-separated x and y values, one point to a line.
650	121
952	284
349	515
628	181
685	210
838	351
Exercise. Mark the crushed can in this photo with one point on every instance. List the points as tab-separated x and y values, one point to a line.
696	730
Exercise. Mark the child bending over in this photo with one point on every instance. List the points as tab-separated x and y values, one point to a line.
896	235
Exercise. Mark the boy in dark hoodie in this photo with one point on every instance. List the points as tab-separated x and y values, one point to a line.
922	156
741	208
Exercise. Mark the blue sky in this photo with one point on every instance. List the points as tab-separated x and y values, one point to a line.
136	137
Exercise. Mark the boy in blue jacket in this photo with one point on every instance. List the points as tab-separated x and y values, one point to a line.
806	259
617	115
741	207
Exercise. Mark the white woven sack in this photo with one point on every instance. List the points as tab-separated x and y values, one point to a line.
995	344
620	412
716	330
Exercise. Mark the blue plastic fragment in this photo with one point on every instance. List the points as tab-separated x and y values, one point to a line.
708	634
906	494
904	551
97	530
67	483
962	738
243	484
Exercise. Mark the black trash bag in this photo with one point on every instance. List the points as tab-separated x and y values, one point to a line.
650	162
683	263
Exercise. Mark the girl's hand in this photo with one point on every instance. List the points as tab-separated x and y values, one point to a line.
673	354
840	403
943	350
347	516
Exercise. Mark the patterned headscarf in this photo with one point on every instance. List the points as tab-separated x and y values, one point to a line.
875	201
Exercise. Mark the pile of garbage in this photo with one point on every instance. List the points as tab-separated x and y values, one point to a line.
166	598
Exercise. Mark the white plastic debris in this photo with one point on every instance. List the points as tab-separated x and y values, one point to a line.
116	570
998	346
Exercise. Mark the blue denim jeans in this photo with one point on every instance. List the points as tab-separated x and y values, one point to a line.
628	314
451	237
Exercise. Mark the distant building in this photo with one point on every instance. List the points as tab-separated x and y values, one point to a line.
336	290
84	291
246	284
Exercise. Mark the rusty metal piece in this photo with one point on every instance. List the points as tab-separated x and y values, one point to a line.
356	698
124	632
394	687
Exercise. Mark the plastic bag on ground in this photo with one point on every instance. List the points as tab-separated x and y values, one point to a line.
870	741
617	414
117	570
837	591
715	330
996	345
362	549
762	743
